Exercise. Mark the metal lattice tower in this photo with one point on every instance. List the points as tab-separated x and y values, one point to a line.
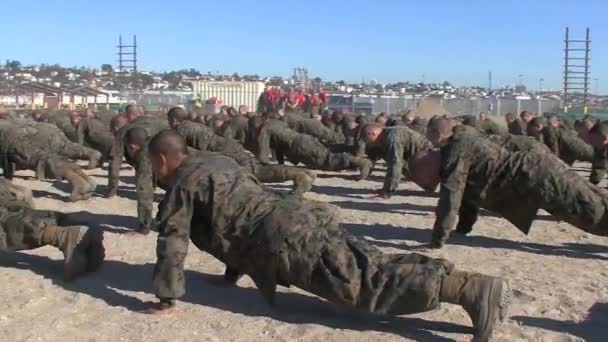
576	69
300	76
127	56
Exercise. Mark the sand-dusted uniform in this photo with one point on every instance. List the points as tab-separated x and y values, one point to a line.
566	144
312	127
476	173
203	138
275	136
282	240
20	146
398	145
97	134
152	125
24	228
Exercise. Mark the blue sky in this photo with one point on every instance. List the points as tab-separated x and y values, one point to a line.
459	41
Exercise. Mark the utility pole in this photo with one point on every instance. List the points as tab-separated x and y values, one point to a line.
490	80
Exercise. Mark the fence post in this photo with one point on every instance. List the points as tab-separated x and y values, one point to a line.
498	111
518	107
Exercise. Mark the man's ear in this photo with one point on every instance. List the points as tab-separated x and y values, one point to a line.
163	159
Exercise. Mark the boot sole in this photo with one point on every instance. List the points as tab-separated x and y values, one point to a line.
498	301
89	247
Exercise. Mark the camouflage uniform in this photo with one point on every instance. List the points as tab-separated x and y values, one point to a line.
487	126
51	136
299	148
152	126
200	137
518	143
236	129
63	121
95	133
566	144
282	240
18	148
399	144
599	166
419	125
20	225
312	127
518	127
477	173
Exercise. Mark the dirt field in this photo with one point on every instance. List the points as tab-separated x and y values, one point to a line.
561	274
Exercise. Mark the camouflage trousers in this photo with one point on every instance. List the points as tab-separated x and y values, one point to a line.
73	151
573	199
307	150
304	247
21	227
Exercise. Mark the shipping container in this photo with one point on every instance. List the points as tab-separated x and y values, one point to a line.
230	93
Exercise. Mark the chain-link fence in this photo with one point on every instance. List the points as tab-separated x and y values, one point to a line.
395	105
158	100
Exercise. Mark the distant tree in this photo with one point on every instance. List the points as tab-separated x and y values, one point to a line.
342	83
236	76
107	68
446	84
317	80
275	82
12	65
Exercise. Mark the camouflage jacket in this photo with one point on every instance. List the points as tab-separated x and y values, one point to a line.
312	127
64	123
419	125
518	127
274	135
566	144
202	138
478	173
226	213
96	134
236	129
399	145
151	124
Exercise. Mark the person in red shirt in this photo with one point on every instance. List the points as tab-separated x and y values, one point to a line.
315	102
300	98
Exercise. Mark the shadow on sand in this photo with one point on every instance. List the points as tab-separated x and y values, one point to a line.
389	232
291	308
593	328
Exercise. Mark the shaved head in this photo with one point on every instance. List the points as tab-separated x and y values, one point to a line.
371	133
167	151
136	136
118	122
439	130
167	142
176	115
135	140
132	112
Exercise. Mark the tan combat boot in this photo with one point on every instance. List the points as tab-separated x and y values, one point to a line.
302	180
364	165
22	194
94	159
484	298
82	187
82	248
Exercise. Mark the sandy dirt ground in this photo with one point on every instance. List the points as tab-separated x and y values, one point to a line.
560	274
